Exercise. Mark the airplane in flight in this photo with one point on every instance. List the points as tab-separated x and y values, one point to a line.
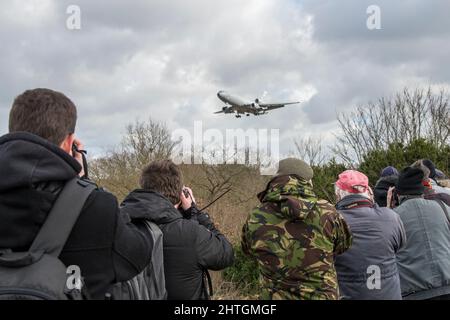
239	106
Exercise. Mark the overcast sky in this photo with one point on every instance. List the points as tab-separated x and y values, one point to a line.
167	59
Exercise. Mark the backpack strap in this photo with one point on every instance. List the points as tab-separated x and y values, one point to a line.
444	208
207	283
64	214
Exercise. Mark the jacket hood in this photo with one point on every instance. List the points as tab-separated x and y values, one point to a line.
151	205
294	196
27	160
32	172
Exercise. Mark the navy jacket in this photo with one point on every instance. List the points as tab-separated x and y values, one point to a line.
378	234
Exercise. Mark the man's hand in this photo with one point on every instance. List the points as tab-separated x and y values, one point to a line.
78	155
187	201
390	197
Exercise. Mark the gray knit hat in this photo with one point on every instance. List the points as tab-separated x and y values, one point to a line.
295	166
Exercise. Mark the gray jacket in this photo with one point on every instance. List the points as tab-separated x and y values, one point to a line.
378	234
424	263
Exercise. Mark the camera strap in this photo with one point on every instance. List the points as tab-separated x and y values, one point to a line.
212	202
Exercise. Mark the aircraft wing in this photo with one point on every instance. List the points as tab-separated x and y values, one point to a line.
270	106
226	109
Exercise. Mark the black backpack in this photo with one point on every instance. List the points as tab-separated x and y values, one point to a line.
150	283
39	274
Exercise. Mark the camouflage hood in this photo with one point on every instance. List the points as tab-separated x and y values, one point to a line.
294	196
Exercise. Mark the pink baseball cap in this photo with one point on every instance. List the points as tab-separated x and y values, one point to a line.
350	179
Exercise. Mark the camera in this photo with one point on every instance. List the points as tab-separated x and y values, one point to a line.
186	193
83	155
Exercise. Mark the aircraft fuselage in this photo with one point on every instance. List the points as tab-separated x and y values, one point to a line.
231	100
237	105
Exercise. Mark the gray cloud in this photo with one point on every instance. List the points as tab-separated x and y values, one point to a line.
167	59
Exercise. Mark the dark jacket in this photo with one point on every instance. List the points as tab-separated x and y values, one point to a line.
381	189
191	246
424	263
378	233
104	243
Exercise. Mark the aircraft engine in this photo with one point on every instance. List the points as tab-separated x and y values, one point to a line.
228	110
255	104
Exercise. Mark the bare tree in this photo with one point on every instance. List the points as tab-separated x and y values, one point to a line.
408	116
220	178
310	150
143	143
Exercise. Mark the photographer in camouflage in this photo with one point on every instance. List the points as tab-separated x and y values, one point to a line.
295	236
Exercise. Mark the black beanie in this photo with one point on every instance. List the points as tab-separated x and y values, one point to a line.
410	182
430	165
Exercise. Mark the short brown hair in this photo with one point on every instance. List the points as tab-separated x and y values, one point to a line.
164	177
43	112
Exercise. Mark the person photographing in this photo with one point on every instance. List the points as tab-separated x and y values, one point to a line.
192	244
38	159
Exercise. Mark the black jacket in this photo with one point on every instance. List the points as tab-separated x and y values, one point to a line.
103	243
191	245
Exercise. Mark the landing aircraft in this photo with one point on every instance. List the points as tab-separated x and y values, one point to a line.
239	106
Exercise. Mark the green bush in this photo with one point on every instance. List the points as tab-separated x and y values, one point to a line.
324	178
401	156
244	273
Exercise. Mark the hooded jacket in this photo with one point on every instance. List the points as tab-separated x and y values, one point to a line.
424	263
106	246
190	246
294	236
378	233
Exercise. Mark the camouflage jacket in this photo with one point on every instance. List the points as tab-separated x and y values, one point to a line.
294	237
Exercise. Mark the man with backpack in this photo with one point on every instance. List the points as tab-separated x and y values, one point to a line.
191	242
48	214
